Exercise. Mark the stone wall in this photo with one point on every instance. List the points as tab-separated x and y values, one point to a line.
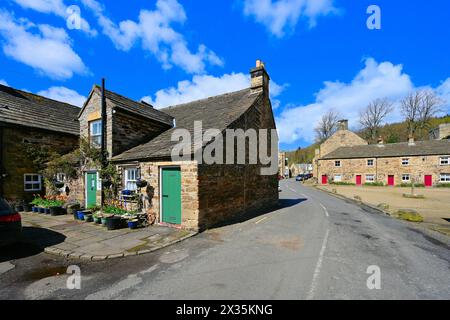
231	190
16	161
418	167
130	131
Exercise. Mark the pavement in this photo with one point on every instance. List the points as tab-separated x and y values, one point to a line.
315	246
62	235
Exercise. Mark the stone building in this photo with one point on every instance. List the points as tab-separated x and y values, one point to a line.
186	193
31	122
441	132
347	158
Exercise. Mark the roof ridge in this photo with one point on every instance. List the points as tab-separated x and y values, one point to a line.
125	97
203	99
40	96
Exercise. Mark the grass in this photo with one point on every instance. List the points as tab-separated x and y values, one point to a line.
409	185
409	215
342	183
443	185
374	184
413	196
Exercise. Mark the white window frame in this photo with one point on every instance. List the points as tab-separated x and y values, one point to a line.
91	132
131	180
368	162
404	176
32	182
447	159
336	162
372	180
405	162
337	178
446	179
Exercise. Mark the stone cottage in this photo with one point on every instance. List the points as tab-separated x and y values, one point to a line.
184	193
345	157
31	122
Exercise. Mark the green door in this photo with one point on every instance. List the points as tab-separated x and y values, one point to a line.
171	195
91	186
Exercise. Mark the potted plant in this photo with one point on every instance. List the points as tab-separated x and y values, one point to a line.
97	218
26	207
58	184
55	207
36	203
114	222
88	217
133	224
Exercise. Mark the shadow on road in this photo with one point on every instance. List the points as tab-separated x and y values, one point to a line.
33	241
282	203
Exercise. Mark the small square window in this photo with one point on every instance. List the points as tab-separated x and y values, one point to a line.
337	163
445	178
370	163
405	162
338	178
444	161
406	178
370	178
32	182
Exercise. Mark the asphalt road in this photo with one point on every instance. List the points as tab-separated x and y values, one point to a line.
315	247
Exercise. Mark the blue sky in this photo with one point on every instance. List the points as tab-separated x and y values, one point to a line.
319	53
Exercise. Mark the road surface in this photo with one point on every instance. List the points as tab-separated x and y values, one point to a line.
315	247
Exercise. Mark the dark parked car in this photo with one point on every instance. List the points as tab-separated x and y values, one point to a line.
10	224
300	177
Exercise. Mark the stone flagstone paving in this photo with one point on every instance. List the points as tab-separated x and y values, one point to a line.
81	240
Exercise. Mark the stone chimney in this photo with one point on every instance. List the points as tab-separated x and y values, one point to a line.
411	141
259	78
380	141
343	124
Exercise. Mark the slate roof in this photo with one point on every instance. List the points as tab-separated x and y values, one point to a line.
420	148
141	109
26	109
216	112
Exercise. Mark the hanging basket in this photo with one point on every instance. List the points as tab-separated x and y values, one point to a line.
141	183
106	183
58	184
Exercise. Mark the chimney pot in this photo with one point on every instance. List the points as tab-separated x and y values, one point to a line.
343	124
411	141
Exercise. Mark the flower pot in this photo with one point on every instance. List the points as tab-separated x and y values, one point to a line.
55	211
19	208
133	224
47	210
88	218
113	223
26	207
35	209
97	220
58	184
80	215
41	210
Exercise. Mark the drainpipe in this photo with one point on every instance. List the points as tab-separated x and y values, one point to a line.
104	141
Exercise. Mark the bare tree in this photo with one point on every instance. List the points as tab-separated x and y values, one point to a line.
327	125
419	108
373	116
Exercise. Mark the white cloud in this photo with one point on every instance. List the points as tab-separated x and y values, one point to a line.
42	47
375	80
204	86
56	7
444	92
154	30
280	16
3	82
64	94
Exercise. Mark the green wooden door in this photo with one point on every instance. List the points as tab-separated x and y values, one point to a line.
171	195
91	186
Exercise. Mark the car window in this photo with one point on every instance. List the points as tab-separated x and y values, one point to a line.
5	209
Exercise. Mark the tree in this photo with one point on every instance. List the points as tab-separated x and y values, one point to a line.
327	125
372	117
419	108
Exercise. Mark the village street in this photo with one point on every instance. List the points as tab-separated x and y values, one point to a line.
315	247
